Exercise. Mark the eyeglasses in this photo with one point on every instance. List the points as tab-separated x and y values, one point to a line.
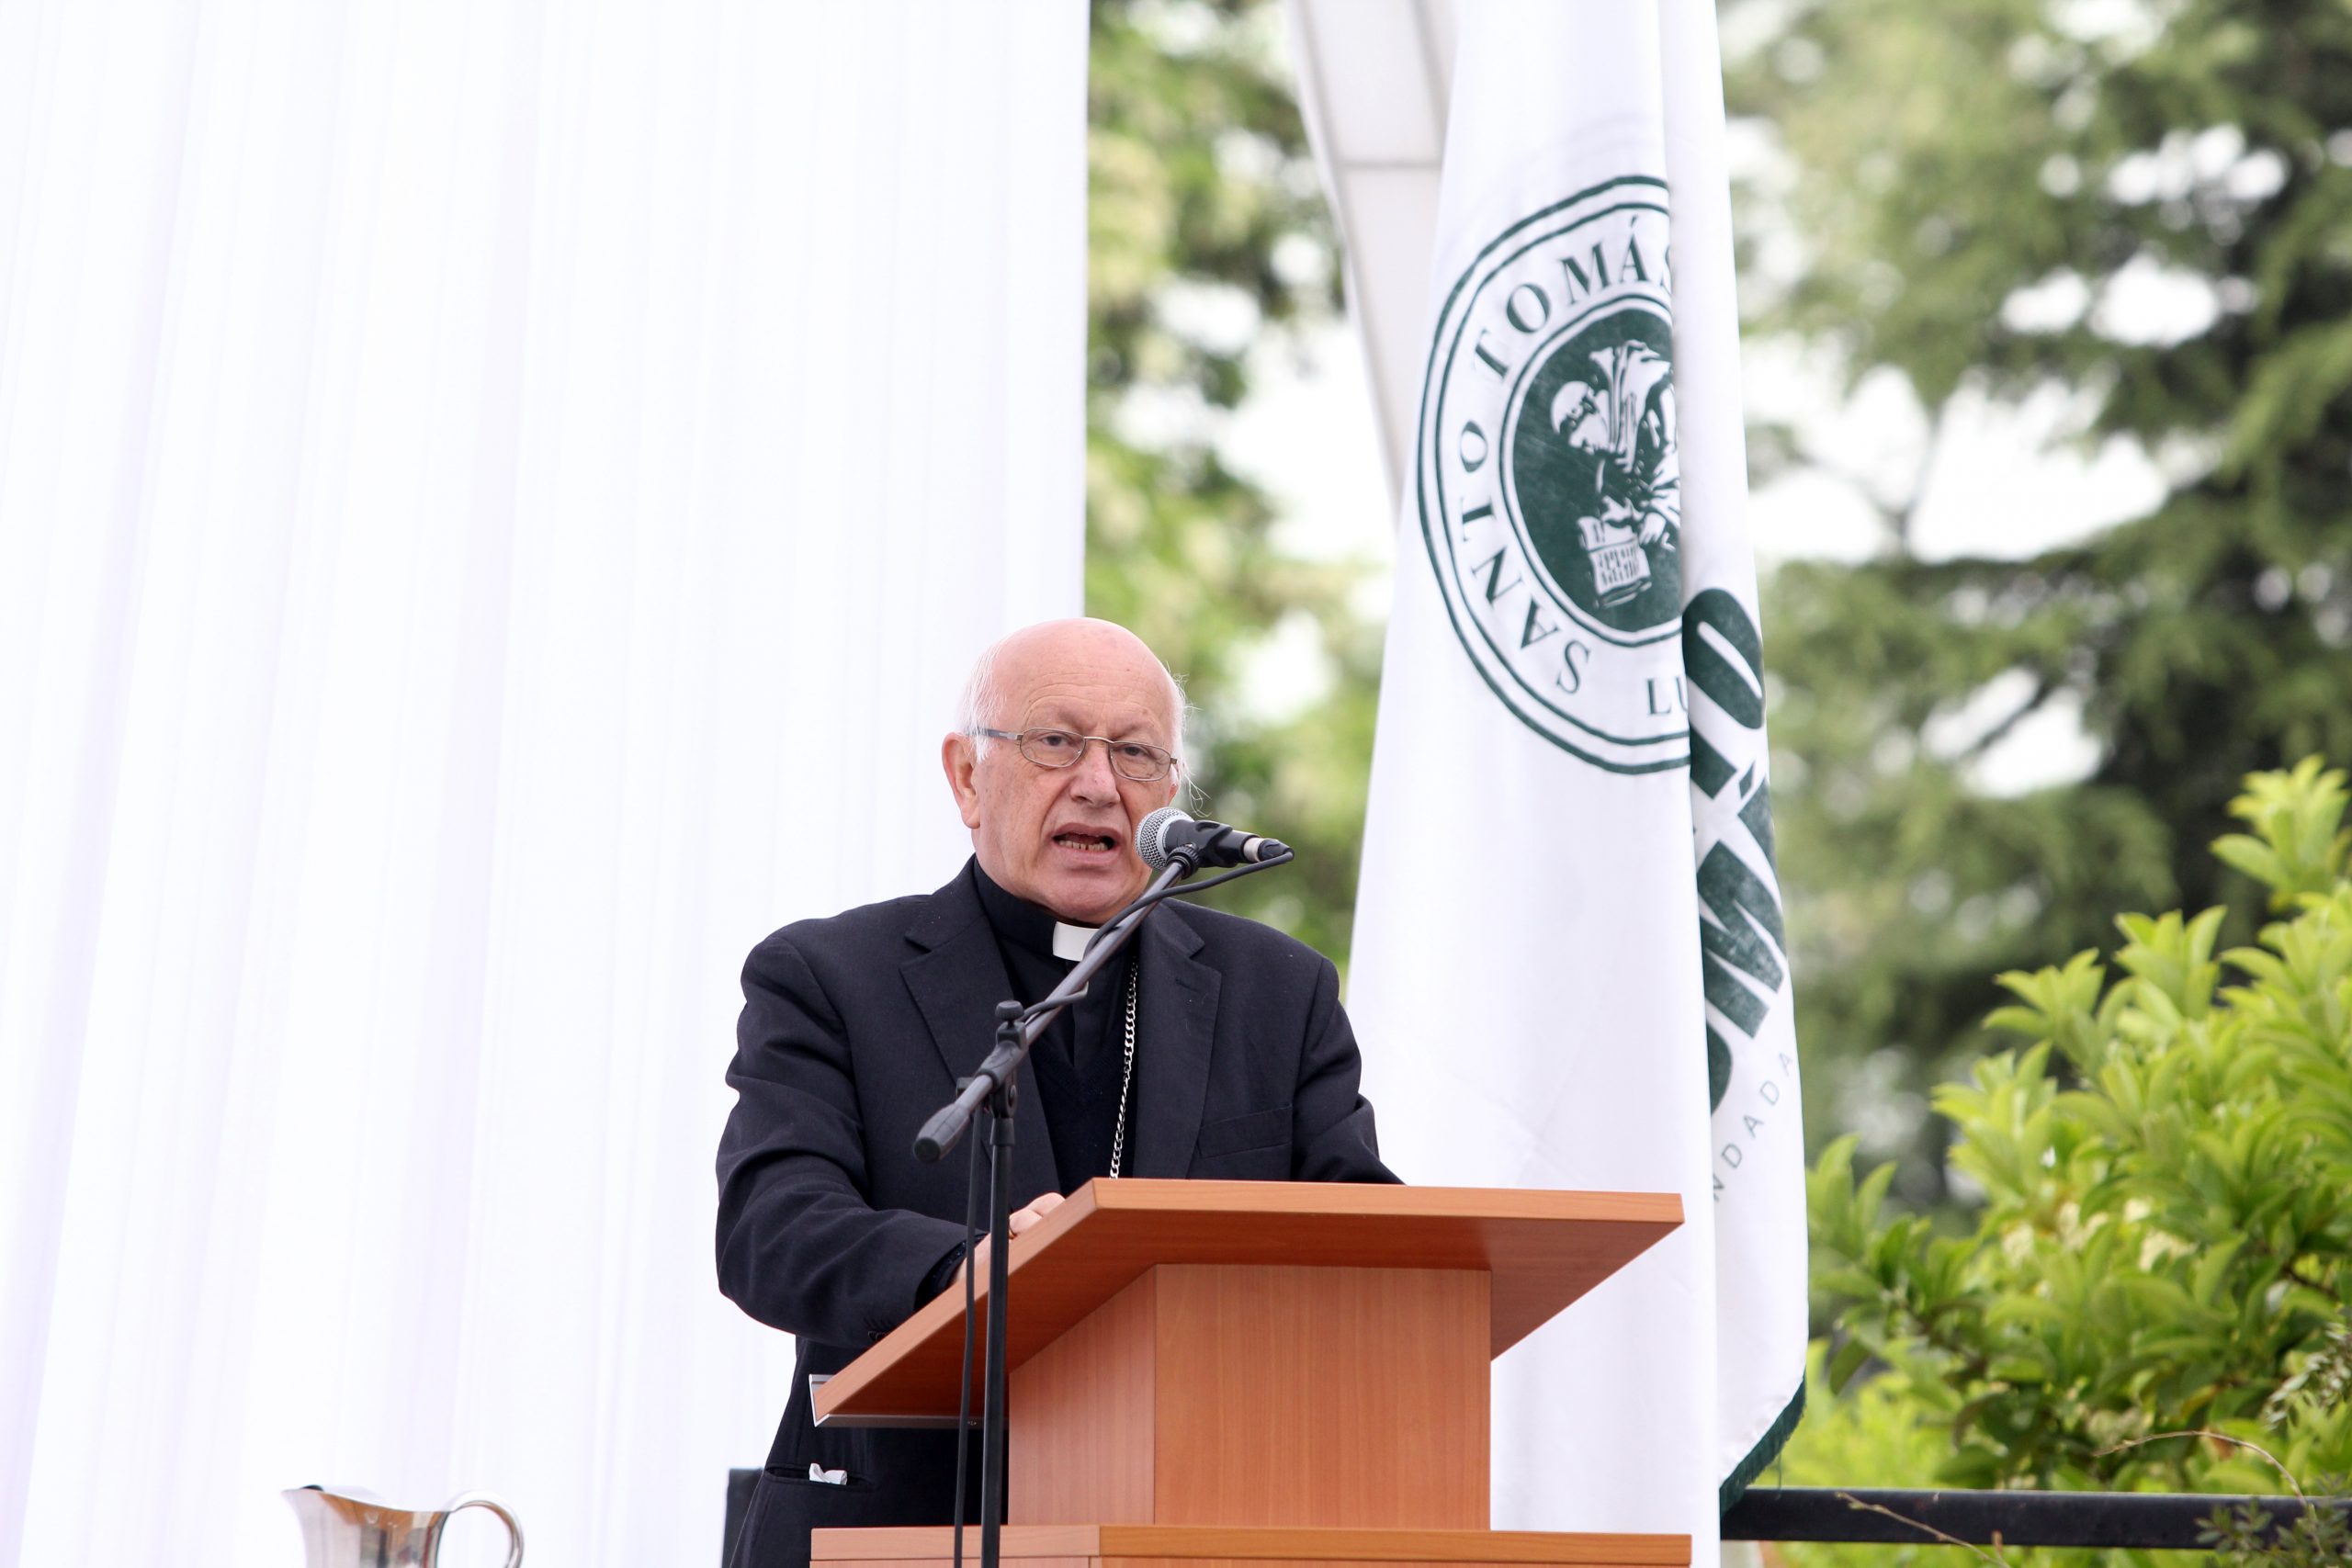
1060	749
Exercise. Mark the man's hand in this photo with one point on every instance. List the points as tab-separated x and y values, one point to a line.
1021	1220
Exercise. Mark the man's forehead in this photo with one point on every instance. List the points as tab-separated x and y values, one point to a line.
1080	699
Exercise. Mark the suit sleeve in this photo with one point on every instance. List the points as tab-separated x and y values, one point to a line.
1331	1130
799	1248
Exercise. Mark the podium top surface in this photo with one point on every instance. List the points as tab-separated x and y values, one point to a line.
1543	1249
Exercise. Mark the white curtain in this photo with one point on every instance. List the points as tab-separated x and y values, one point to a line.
496	499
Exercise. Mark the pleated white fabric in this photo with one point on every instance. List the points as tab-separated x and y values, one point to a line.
496	501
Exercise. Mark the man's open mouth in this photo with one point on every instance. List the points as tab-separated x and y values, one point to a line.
1093	843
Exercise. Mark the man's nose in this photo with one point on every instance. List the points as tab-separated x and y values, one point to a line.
1096	779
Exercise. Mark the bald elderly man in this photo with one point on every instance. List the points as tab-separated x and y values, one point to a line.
1213	1047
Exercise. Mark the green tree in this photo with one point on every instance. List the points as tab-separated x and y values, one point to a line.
1207	240
2154	1292
1969	199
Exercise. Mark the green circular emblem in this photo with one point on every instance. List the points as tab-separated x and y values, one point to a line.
1549	476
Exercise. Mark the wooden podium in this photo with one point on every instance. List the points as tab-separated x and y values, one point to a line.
1207	1374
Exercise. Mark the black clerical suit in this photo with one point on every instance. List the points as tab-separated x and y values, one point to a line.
856	1029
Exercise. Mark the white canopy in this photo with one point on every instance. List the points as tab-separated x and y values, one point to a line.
1375	79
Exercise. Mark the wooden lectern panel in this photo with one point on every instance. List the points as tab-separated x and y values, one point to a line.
1245	1394
1543	1249
1322	1396
1084	1412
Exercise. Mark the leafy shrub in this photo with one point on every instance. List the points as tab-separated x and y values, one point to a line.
2154	1293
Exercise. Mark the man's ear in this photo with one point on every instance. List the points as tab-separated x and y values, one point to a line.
958	754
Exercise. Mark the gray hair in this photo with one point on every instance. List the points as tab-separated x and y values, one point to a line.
980	697
982	700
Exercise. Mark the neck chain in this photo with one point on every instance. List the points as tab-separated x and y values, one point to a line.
1127	1072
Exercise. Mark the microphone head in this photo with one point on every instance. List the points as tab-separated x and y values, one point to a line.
1153	835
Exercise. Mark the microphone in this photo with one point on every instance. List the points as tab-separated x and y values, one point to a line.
1168	833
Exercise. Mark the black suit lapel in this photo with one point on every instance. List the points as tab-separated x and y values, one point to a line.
956	983
1175	1023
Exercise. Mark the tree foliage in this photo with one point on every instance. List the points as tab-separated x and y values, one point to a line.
2145	211
1209	243
2154	1292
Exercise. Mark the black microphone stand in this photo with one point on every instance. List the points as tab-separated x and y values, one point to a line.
991	1093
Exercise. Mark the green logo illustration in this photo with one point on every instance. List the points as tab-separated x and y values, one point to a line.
1549	476
1593	473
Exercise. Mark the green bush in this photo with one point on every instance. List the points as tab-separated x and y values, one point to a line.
2152	1296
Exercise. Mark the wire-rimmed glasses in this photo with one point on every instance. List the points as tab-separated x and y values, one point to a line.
1064	749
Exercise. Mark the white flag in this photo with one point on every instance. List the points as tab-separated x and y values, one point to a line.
1570	968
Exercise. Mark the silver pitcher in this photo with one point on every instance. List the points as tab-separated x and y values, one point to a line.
353	1528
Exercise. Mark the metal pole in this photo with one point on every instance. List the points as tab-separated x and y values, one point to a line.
994	1428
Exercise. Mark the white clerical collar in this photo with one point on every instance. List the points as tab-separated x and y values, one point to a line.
1069	940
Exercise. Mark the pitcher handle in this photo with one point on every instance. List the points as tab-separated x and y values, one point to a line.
506	1515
